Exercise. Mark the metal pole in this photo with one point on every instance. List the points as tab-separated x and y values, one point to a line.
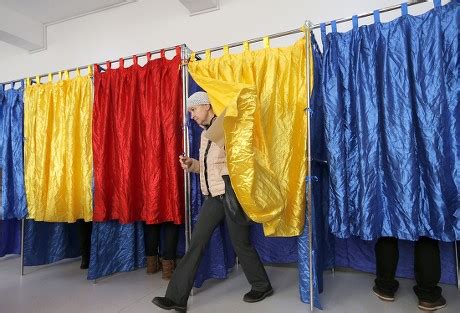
22	247
188	212
186	146
308	25
457	260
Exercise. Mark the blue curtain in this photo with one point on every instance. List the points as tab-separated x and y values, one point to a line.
274	249
12	154
392	99
13	199
320	244
119	247
46	243
116	248
10	237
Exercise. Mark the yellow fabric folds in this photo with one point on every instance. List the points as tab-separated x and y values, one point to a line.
263	94
57	150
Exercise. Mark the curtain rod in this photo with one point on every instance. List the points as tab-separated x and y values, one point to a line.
298	30
236	44
383	10
12	82
254	40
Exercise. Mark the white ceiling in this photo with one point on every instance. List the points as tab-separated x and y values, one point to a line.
23	22
200	6
52	11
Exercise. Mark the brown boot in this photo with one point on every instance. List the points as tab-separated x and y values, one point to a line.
153	265
167	268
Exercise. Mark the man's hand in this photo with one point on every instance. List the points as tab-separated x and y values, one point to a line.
185	162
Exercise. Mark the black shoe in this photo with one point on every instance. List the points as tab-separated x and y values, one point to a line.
168	304
84	263
383	295
256	296
432	306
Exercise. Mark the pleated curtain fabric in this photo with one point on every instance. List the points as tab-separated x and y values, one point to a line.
13	197
391	98
58	152
10	237
263	96
137	139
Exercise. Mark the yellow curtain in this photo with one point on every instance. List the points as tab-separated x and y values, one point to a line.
263	96
57	150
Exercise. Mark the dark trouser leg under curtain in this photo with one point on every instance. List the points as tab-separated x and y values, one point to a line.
151	242
152	239
427	268
84	232
171	235
212	213
386	257
248	257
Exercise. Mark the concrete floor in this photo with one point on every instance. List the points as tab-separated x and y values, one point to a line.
62	288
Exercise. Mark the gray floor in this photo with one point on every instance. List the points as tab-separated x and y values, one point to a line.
63	288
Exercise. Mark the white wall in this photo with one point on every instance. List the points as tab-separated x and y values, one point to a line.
153	24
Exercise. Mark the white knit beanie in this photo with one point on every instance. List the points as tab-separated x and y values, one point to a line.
198	98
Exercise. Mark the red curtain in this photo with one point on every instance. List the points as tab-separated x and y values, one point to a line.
137	138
